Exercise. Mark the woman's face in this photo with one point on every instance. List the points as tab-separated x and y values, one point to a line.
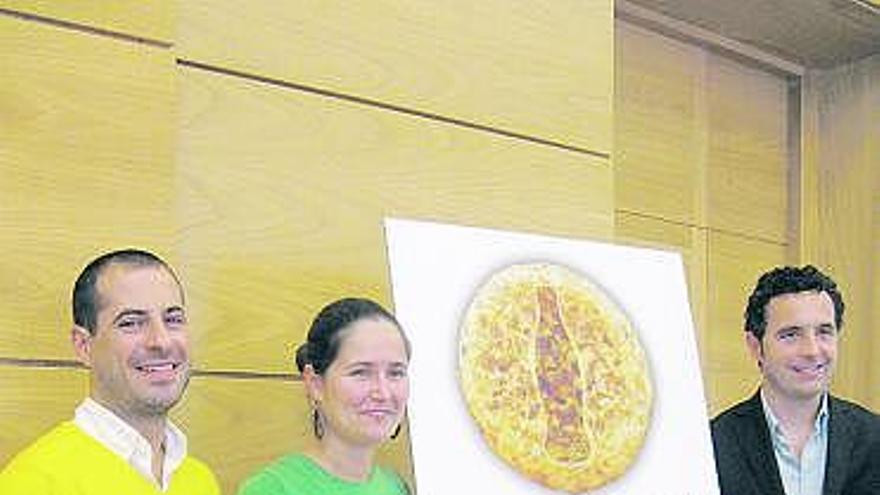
362	394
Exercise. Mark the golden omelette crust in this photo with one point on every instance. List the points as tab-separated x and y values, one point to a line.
554	376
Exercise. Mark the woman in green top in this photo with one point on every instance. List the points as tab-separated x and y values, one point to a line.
354	367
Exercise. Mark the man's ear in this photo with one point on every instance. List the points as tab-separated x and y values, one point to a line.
755	349
81	339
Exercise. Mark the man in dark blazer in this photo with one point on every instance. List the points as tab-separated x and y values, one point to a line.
792	437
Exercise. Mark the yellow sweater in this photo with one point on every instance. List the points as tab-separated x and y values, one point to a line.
67	461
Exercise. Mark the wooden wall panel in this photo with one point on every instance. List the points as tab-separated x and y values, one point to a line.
268	196
734	265
238	426
747	189
872	70
691	242
152	20
872	395
659	126
848	165
535	68
33	400
808	235
700	166
85	165
283	195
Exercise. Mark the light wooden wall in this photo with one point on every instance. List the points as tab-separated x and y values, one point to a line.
258	148
711	159
301	128
701	166
842	209
86	165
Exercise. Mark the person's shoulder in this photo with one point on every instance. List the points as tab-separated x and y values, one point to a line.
271	479
856	415
54	445
735	413
33	468
292	464
260	483
853	408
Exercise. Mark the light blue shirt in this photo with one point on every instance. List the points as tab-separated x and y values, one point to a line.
806	475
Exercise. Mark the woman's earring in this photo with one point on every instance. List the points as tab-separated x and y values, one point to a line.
317	423
396	432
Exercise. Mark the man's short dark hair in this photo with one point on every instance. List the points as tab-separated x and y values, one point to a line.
789	280
86	302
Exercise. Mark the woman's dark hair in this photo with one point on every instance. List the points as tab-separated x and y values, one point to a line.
327	330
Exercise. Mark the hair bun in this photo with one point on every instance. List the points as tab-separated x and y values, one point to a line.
303	356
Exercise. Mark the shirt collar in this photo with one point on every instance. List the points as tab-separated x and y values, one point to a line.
773	421
122	439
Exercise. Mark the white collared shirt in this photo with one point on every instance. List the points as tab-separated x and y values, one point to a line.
111	431
804	475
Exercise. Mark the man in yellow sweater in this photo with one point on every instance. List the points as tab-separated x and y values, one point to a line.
130	330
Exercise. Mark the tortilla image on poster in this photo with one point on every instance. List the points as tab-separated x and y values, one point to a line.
554	376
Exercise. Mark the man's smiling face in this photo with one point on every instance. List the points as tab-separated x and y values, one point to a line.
139	350
799	349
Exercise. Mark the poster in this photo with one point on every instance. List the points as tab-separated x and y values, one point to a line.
546	365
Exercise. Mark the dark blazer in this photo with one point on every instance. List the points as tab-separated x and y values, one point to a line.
746	463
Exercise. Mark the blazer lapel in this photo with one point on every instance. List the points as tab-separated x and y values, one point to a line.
840	441
759	448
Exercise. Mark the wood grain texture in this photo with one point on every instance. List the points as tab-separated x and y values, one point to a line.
699	139
282	196
536	68
734	265
808	173
32	401
691	242
86	165
747	186
847	99
873	393
700	166
660	126
150	20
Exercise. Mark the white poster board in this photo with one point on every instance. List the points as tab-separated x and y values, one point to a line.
436	270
